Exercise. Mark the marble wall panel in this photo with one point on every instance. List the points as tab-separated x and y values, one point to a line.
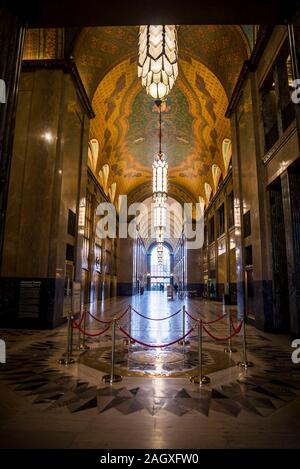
48	177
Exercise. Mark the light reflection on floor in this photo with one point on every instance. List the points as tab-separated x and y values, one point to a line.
43	404
139	360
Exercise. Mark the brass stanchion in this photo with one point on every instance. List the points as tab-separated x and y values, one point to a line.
68	360
112	377
79	337
229	349
71	335
183	341
244	364
200	379
83	346
127	340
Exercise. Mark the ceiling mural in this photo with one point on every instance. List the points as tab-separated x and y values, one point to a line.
98	50
193	127
177	128
222	49
193	123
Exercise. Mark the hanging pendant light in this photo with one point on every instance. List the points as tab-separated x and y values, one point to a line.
160	168
160	252
158	59
160	175
160	187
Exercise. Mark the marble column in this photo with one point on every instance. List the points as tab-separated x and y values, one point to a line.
125	267
250	196
193	270
291	207
294	45
47	181
280	274
12	33
238	213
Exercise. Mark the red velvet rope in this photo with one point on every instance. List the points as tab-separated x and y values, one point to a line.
208	322
156	319
91	334
214	320
236	331
99	320
75	324
110	321
154	346
122	315
192	317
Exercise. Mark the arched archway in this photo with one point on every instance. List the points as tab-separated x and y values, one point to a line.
161	273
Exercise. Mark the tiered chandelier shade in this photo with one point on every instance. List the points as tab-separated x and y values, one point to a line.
160	219
160	213
160	175
160	188
160	253
158	59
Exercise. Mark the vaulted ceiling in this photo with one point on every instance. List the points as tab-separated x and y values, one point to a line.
193	119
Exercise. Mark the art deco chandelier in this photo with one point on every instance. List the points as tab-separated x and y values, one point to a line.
158	69
158	59
160	191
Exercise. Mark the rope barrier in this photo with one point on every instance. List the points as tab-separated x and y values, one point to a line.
77	324
223	339
156	319
237	329
198	322
192	317
89	333
151	345
122	315
111	320
99	320
207	322
214	320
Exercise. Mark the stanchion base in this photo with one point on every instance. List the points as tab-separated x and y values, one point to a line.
184	342
129	342
245	364
197	380
107	379
230	350
66	361
84	347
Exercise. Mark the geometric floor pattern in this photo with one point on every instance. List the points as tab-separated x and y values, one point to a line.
171	361
260	393
251	396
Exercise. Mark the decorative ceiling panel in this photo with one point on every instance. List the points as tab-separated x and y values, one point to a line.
193	122
193	127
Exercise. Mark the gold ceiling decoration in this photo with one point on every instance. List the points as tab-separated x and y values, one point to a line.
195	132
194	127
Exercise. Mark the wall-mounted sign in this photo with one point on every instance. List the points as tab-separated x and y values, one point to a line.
2	92
29	299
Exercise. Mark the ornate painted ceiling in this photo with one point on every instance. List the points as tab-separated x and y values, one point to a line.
193	122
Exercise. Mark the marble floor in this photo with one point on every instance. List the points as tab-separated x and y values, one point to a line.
47	405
